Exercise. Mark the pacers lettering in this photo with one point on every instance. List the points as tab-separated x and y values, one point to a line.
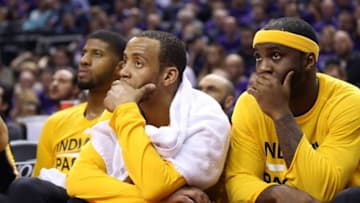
72	144
267	178
65	163
273	149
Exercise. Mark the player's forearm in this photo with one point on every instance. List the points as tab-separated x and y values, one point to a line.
289	135
155	177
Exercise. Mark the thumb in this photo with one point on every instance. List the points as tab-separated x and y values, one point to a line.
145	90
288	79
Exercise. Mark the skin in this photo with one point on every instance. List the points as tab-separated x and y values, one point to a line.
234	65
187	195
97	69
284	85
4	137
62	87
217	87
143	82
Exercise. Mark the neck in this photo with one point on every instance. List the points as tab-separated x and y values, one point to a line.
305	98
157	112
95	105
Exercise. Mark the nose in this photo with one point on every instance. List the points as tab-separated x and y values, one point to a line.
263	66
84	60
124	71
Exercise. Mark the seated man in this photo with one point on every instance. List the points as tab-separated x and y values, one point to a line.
295	135
163	134
65	132
7	164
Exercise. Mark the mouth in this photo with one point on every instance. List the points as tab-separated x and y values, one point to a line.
82	73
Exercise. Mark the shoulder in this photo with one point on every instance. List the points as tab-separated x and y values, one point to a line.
335	89
76	111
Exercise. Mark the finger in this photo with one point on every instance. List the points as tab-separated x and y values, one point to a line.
288	79
252	91
115	82
146	89
263	80
181	199
197	195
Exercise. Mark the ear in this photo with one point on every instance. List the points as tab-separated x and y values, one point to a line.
310	62
170	76
228	102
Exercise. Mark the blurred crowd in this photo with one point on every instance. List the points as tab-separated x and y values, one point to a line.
40	41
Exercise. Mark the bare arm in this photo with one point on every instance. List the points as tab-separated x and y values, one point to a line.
289	134
273	99
283	193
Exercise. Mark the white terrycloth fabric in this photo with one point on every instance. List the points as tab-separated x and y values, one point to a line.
54	176
196	142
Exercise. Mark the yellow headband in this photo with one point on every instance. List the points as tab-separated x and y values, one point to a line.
288	39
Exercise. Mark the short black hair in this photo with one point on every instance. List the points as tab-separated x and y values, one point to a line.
116	41
294	25
172	50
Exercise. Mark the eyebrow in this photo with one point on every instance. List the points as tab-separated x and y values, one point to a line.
140	55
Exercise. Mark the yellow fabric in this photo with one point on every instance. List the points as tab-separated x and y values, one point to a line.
288	39
11	159
326	160
152	177
63	135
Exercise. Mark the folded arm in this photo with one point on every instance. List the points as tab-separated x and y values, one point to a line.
155	177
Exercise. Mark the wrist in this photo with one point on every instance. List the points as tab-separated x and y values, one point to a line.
269	194
280	115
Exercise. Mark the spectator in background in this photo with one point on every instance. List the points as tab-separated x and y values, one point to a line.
349	58
327	13
39	17
247	51
214	59
6	74
230	39
333	68
26	101
346	22
219	88
258	14
326	43
14	129
235	67
214	26
64	88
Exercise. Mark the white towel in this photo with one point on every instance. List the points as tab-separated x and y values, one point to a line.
197	138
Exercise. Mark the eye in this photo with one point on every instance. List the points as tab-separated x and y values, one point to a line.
98	53
138	64
276	56
257	57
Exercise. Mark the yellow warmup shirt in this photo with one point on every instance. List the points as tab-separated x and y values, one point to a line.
152	178
63	135
8	170
326	160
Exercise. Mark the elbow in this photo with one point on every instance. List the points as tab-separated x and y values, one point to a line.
71	184
153	194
